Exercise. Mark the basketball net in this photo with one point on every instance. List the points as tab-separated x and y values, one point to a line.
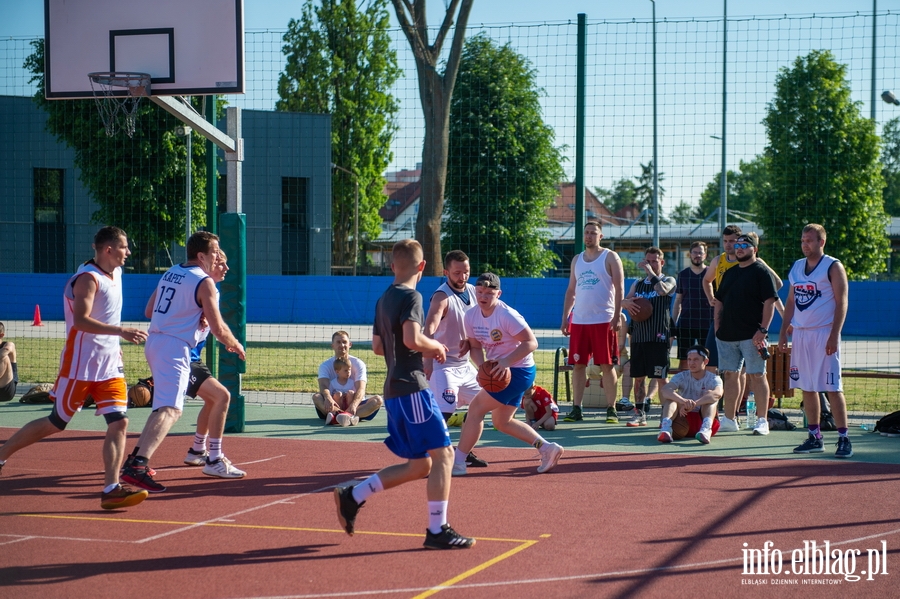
117	96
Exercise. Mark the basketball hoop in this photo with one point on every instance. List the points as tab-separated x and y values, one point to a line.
117	96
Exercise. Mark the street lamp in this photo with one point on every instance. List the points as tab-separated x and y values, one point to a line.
889	97
355	214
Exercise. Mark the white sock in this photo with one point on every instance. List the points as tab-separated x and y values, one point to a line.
437	515
112	487
667	422
215	449
707	423
367	488
459	457
199	443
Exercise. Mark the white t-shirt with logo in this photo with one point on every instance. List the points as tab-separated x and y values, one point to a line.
496	332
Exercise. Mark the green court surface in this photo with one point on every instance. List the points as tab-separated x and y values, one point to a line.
592	434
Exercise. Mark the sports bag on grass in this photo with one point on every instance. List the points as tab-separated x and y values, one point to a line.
38	394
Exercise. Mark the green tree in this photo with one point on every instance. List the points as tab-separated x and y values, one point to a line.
339	61
682	214
503	168
618	196
890	165
823	168
138	182
745	187
435	91
643	193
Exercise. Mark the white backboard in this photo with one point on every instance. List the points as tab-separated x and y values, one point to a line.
189	47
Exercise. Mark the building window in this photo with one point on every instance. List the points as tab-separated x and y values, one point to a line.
294	229
49	249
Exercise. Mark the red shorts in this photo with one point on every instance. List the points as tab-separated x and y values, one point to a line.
599	341
695	421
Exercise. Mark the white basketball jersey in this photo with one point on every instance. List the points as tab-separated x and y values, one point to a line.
86	356
594	296
451	329
177	310
813	294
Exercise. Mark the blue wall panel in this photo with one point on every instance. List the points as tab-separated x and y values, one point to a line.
347	300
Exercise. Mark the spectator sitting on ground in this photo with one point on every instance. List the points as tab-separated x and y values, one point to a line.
9	374
540	408
343	389
358	405
692	394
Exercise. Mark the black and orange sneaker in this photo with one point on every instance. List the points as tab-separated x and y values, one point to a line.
122	496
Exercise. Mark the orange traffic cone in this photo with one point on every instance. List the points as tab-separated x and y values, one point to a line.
37	317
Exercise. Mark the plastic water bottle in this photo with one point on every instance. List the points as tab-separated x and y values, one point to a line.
867	427
751	411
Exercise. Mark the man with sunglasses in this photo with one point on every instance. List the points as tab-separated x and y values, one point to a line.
745	305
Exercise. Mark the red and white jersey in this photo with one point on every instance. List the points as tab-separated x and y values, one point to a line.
594	295
495	332
813	294
177	310
87	356
451	329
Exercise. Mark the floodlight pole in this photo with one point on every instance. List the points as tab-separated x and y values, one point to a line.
355	214
723	212
874	47
188	189
655	143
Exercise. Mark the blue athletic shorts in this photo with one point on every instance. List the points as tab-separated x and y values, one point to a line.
522	380
415	425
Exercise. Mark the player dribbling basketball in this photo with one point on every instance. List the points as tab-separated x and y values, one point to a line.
497	332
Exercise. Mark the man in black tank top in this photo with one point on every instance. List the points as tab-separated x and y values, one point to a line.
649	338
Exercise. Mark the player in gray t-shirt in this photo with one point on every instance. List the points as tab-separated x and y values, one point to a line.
691	395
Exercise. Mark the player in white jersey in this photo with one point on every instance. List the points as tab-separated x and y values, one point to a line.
453	383
816	309
184	295
593	301
497	332
91	363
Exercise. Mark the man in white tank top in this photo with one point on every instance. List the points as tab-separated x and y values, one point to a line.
816	309
184	295
453	383
91	363
593	301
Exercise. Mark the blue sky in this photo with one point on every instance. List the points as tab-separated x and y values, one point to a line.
26	18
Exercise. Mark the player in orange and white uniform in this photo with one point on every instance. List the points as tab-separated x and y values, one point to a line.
91	363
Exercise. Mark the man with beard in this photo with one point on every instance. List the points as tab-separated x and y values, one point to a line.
692	311
455	382
745	305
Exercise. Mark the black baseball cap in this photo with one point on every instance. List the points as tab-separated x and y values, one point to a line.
747	239
488	279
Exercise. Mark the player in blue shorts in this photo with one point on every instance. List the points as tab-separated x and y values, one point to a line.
495	329
416	429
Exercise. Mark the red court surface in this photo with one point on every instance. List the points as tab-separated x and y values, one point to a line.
599	525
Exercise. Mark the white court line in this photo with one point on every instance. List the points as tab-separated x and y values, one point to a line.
506	583
186	467
18	538
223	518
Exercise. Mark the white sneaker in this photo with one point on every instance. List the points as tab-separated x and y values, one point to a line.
761	428
459	469
354	420
550	454
329	419
222	468
727	425
196	458
344	419
704	435
665	432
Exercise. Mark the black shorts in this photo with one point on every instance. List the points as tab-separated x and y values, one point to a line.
650	359
688	337
8	391
199	373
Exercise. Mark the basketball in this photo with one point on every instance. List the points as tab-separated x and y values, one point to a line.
491	383
139	396
680	427
646	309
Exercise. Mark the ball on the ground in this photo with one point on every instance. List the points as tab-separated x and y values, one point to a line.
680	427
139	396
646	309
492	383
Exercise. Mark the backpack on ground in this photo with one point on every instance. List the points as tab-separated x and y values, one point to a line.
778	420
38	394
891	420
